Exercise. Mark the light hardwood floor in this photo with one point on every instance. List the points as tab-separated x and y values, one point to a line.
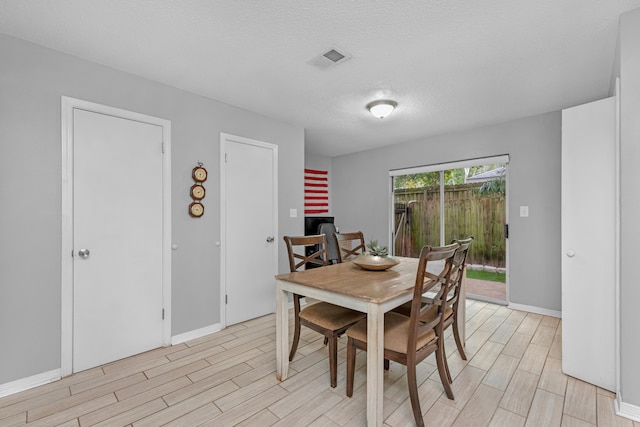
512	378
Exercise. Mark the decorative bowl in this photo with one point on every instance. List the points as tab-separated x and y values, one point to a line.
375	262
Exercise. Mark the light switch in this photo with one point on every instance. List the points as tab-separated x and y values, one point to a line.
293	213
524	211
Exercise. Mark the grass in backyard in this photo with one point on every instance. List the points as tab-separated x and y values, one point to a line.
486	275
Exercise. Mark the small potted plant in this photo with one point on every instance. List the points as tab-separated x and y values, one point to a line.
376	258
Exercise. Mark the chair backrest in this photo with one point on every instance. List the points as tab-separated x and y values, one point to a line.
327	228
458	270
297	249
349	245
425	281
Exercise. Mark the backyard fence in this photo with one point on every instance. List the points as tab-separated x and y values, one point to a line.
467	213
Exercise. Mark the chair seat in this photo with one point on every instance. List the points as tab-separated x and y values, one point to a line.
396	333
330	316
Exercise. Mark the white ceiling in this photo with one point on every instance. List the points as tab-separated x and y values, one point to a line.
450	65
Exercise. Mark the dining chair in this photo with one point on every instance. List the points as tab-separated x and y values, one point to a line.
453	298
349	245
327	228
409	340
328	319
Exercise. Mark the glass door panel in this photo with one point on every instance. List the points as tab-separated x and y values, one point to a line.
476	206
416	212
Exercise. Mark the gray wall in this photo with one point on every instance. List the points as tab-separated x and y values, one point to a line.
32	80
630	207
533	144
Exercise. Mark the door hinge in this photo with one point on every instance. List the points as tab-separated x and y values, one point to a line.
226	299
163	147
506	231
226	158
163	314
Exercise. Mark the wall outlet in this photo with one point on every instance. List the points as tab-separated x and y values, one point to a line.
524	211
293	213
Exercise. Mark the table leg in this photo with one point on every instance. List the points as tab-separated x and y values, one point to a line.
282	332
375	367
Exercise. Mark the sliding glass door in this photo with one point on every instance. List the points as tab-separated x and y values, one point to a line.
432	205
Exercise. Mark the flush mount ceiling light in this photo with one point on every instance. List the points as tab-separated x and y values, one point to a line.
382	107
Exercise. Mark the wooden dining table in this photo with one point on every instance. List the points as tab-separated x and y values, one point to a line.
371	292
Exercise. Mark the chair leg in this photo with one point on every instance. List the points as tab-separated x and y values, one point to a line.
413	394
351	366
443	375
296	339
446	364
456	335
333	360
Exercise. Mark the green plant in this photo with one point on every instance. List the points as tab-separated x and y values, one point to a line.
376	250
493	186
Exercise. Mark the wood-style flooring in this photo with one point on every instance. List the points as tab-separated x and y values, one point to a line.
512	378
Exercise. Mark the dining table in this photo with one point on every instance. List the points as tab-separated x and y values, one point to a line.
367	291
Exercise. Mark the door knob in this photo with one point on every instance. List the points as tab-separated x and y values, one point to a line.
571	254
83	253
270	239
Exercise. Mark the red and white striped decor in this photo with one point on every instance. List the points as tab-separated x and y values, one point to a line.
316	192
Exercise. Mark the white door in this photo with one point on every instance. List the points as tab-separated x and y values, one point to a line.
588	242
117	238
250	228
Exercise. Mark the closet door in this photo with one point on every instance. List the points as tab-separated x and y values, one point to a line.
588	242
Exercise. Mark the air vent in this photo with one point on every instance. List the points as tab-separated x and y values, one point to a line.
329	59
333	55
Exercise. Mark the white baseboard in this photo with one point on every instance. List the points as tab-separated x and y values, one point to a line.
627	410
197	333
536	310
217	327
29	382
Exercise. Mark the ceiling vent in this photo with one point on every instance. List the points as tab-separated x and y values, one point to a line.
330	59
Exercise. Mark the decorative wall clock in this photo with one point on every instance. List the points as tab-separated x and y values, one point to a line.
199	173
196	209
197	192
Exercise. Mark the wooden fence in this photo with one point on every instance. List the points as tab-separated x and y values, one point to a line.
467	213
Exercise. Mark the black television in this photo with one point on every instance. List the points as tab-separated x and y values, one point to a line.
311	223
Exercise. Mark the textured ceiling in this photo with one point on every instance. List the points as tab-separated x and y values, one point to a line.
450	65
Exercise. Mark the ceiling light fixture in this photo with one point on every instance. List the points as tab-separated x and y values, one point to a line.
382	107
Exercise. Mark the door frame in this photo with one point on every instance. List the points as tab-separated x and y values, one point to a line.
224	137
68	105
500	158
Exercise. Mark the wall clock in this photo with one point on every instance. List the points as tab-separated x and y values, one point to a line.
196	209
197	192
199	174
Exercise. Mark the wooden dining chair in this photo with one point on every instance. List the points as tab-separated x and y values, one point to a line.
453	298
458	272
409	340
328	319
349	245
